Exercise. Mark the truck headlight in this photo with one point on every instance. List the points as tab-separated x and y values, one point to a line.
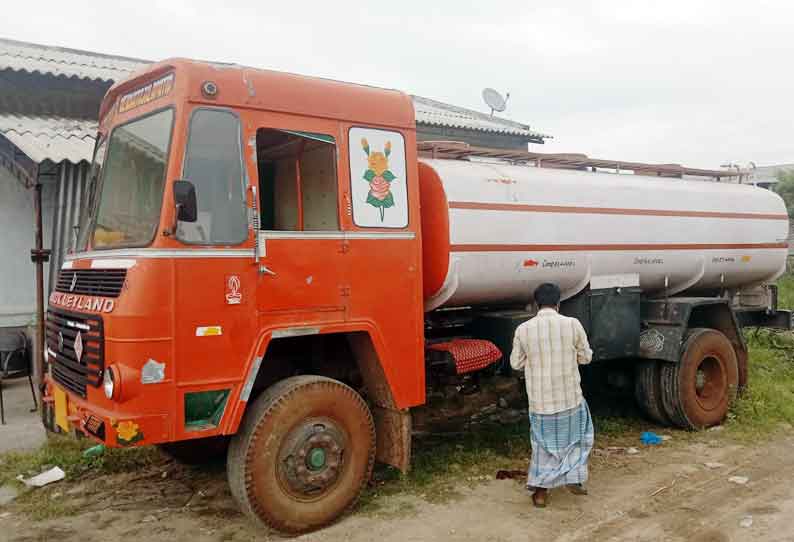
108	383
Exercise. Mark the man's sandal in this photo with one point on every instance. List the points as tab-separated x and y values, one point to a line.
539	497
577	489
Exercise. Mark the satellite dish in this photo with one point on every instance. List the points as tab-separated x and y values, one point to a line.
494	100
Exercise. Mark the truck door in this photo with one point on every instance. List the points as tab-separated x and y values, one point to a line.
301	247
214	272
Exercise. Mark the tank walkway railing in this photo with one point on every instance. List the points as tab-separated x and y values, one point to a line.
456	150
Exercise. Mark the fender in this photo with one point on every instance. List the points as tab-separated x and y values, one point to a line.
240	395
665	323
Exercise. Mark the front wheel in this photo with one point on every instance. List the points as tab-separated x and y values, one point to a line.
303	454
697	391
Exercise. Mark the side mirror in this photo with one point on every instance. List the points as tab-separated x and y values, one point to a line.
185	200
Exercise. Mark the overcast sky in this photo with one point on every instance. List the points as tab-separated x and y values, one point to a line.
693	82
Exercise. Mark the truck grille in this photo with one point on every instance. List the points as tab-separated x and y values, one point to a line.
99	282
76	348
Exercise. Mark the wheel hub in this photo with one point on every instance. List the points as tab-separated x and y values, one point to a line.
700	380
312	457
710	383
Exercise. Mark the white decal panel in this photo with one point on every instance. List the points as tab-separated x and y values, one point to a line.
378	178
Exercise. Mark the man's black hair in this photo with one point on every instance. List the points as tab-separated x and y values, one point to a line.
547	295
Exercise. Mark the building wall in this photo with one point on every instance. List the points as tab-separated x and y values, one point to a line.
17	272
16	222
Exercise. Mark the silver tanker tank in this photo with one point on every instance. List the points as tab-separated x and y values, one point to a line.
492	232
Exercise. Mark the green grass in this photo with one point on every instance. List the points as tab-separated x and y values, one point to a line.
786	291
442	462
768	402
67	453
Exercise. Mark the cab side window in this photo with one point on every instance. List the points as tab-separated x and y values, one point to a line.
213	164
297	181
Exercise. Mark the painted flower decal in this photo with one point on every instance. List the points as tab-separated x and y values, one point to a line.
379	177
128	433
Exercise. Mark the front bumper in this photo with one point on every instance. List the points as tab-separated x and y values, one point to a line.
68	412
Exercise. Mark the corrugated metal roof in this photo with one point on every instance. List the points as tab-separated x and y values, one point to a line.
437	113
50	138
59	61
34	58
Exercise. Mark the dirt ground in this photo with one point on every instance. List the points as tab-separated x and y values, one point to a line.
661	493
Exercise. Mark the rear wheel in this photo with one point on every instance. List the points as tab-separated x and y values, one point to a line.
648	391
303	454
697	391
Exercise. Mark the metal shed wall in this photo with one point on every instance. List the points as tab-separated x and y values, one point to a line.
68	201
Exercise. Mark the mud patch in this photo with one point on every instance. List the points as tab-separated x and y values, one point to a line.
763	510
711	536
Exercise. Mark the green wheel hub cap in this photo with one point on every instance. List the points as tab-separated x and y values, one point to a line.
316	459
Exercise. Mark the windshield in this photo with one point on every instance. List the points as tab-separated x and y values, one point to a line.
130	183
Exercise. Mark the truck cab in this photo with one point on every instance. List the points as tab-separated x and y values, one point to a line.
244	227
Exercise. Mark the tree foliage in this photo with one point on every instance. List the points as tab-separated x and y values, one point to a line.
785	187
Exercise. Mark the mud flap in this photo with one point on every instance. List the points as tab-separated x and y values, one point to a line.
393	437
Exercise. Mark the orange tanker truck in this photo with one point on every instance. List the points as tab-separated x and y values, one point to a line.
272	264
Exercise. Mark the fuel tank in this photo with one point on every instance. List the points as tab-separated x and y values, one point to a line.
492	232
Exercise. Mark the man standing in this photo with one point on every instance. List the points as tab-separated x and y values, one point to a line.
549	348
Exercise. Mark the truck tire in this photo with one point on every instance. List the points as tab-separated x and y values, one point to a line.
303	454
196	451
648	391
697	391
48	418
